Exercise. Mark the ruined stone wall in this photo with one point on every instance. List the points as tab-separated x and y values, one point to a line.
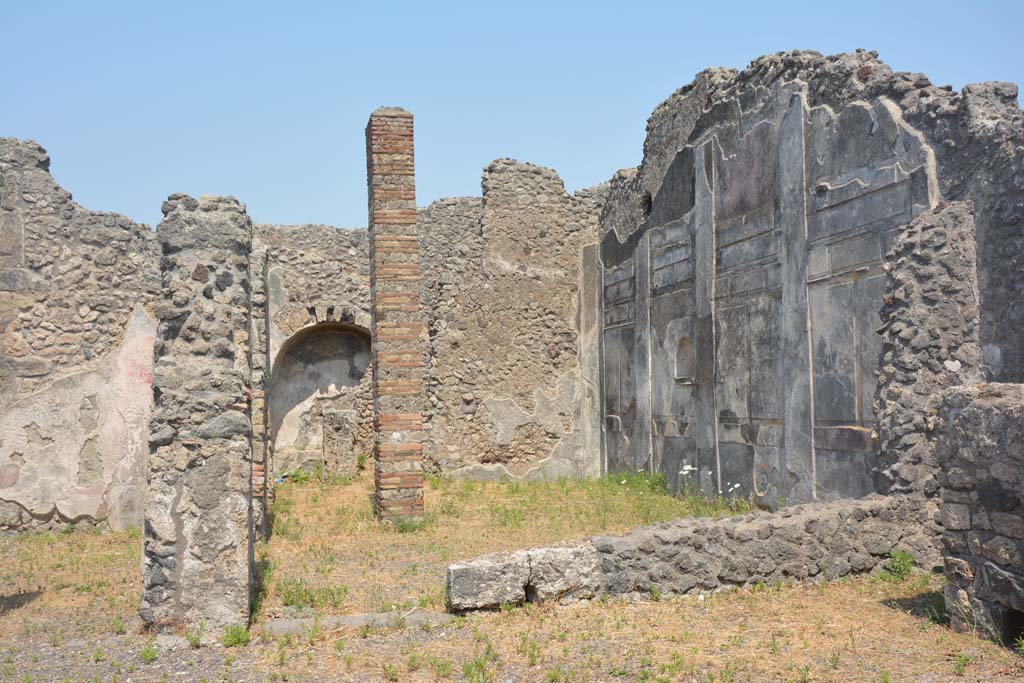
314	265
930	342
981	449
76	338
803	543
197	549
930	338
508	381
318	275
984	162
976	136
743	264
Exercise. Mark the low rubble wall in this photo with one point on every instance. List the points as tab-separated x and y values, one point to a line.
807	542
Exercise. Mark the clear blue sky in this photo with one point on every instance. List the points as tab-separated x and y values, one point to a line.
267	101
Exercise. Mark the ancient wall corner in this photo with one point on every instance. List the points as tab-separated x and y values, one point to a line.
979	448
984	157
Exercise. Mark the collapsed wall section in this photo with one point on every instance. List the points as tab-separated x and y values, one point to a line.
197	547
512	378
76	338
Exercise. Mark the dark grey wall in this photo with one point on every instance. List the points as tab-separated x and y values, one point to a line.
763	248
740	349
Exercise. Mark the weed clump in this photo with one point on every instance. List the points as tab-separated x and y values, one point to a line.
235	636
898	566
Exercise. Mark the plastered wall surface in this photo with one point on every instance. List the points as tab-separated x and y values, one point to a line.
512	371
76	339
314	401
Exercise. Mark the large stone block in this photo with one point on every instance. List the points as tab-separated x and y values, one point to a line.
488	582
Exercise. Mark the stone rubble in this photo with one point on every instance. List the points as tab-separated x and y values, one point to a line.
690	556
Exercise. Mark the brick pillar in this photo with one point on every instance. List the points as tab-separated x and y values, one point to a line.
398	331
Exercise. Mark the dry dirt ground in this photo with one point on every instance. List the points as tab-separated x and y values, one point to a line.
68	600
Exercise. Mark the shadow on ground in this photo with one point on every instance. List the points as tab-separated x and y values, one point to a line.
929	605
12	602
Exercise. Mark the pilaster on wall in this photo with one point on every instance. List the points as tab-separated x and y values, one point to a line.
262	470
198	530
398	331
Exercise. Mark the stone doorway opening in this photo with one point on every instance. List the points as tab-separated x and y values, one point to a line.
1012	628
320	401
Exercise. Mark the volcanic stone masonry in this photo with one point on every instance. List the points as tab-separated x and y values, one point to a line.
806	542
778	212
198	534
398	332
320	408
981	449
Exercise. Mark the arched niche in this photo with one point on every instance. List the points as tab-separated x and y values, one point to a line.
685	363
319	399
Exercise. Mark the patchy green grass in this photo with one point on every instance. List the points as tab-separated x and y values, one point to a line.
899	566
74	572
296	592
861	629
328	553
